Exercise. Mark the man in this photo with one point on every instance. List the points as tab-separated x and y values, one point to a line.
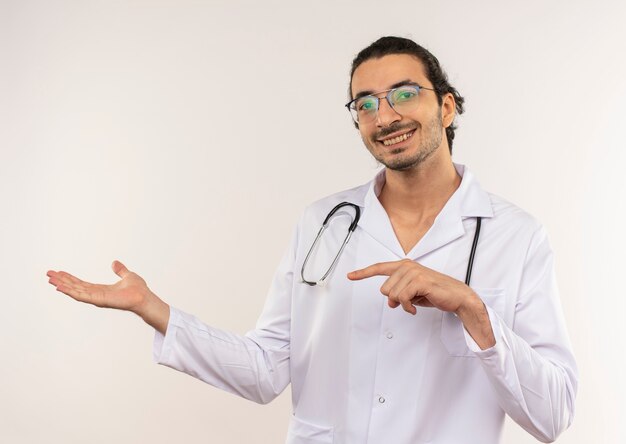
448	364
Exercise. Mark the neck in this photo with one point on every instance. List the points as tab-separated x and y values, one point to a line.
421	191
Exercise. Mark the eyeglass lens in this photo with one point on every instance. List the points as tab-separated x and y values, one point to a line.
402	100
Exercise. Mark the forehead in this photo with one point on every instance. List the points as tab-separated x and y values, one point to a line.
380	73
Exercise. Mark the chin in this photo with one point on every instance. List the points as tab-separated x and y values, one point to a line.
401	162
401	166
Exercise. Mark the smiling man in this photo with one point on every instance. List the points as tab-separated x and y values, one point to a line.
385	133
425	309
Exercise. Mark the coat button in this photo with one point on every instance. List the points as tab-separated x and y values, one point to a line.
381	399
389	335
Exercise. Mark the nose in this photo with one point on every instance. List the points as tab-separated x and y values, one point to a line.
386	114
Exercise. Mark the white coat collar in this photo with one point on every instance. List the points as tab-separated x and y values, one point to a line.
469	200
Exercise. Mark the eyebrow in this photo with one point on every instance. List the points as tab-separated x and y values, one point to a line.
395	85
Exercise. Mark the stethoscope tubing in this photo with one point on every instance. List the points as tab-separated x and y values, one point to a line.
470	263
353	225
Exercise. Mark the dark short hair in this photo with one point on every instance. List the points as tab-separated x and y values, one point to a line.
435	74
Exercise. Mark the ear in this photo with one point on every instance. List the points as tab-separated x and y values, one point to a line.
448	110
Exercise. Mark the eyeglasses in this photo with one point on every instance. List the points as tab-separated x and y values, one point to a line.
402	99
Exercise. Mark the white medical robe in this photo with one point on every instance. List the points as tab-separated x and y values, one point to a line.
362	372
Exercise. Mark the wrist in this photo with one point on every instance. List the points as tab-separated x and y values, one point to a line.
475	319
142	307
154	312
471	304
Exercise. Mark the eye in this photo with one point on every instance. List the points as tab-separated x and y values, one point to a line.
366	104
404	95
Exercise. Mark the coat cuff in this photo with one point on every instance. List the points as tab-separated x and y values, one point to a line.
162	344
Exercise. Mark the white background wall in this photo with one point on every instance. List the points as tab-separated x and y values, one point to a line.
123	134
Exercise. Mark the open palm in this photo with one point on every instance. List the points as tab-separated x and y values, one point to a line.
127	294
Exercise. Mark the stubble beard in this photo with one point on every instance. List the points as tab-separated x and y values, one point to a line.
431	140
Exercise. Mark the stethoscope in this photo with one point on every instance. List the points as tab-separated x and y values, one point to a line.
351	228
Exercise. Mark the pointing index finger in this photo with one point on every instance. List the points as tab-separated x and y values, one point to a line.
379	269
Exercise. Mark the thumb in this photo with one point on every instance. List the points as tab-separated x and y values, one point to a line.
120	269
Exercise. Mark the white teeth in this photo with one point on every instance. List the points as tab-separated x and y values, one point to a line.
397	139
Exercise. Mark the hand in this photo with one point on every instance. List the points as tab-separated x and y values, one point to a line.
412	284
131	293
127	294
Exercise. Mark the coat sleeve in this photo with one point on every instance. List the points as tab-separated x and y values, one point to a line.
531	367
254	366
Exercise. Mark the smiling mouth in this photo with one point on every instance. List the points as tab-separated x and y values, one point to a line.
397	139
